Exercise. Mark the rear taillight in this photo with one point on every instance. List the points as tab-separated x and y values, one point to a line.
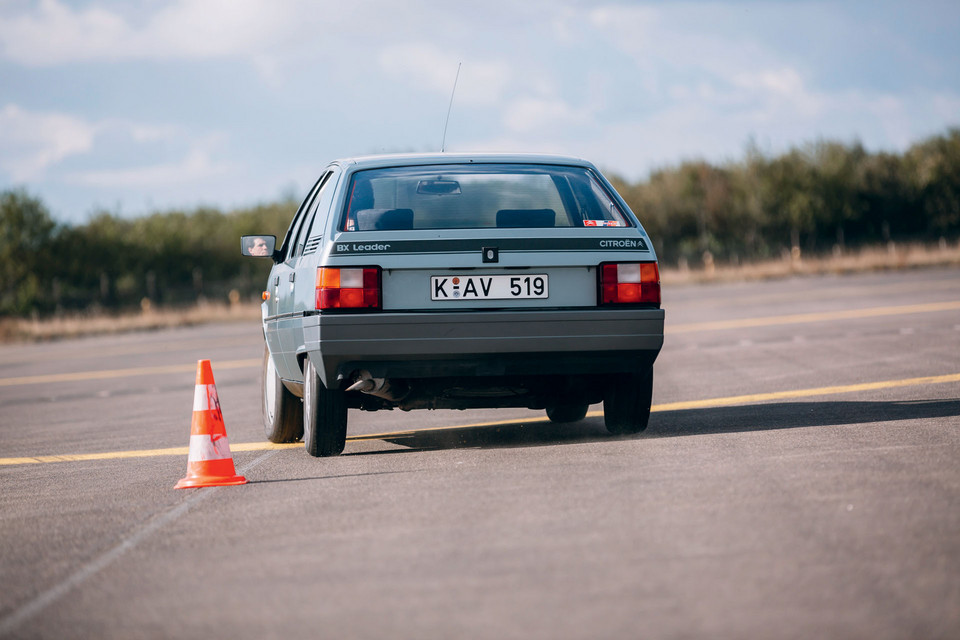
630	283
353	288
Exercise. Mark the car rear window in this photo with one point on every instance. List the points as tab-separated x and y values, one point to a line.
478	196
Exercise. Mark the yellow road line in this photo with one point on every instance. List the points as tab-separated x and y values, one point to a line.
673	406
111	455
22	355
140	453
802	318
669	329
124	373
805	393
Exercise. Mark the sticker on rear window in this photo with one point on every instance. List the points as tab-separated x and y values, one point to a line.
603	223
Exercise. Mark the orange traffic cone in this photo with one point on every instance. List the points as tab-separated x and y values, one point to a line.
210	463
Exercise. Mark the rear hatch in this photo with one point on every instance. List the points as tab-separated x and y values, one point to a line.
485	236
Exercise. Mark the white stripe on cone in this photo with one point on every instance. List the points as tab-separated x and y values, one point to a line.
207	447
205	397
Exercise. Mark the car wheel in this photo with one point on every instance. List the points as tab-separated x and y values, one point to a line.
324	415
282	411
626	403
567	412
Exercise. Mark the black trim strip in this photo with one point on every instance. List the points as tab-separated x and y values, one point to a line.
525	245
282	316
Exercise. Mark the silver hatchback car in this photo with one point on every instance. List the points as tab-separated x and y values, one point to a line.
456	281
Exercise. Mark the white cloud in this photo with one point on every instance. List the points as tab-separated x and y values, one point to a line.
946	106
196	166
267	33
676	49
641	21
148	132
431	68
31	142
521	142
57	33
773	93
218	27
785	82
423	63
544	115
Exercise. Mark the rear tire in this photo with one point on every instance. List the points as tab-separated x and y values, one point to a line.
626	403
282	411
324	415
567	412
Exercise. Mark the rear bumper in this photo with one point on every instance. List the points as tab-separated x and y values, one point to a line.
483	343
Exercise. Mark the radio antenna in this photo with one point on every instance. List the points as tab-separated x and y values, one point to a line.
443	143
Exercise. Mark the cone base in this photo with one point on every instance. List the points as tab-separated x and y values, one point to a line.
196	482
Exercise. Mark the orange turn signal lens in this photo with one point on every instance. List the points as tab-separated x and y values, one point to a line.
348	288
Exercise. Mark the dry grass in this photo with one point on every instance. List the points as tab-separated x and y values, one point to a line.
85	324
893	256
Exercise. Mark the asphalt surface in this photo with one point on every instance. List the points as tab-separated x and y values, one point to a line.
800	478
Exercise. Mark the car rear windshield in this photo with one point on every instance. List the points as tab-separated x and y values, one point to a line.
478	196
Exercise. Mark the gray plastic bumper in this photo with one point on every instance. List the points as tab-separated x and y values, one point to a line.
483	342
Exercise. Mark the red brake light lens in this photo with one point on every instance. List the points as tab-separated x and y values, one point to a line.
630	283
353	288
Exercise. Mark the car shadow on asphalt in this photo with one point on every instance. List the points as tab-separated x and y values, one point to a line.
670	424
516	434
793	415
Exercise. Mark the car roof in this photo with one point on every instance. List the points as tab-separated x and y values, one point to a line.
414	159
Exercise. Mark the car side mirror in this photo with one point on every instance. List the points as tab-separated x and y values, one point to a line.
258	246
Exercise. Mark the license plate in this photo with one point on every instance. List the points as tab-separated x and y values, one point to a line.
489	287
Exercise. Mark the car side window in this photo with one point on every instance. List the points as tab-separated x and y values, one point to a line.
322	209
290	243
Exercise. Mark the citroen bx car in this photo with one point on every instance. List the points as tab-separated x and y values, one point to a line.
456	281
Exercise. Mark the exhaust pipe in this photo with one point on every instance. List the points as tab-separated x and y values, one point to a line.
380	387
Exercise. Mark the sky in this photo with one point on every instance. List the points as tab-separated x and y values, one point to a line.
137	107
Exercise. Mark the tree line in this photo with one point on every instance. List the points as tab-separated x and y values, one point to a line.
818	197
111	262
